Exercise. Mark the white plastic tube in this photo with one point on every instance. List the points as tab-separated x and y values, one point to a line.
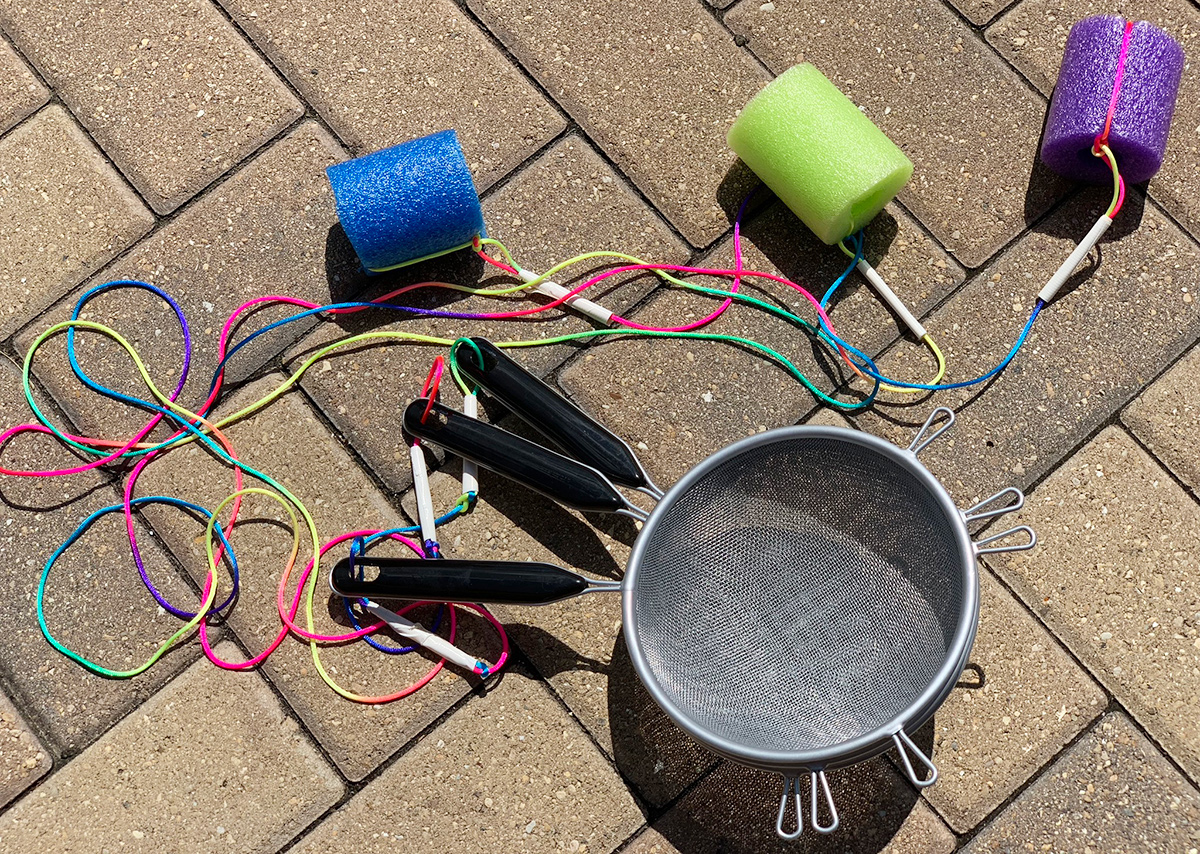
1048	293
470	471
418	634
586	307
420	474
889	296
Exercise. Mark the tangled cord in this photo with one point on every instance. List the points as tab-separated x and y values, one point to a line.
203	427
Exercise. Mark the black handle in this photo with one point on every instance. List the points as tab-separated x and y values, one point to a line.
542	470
488	581
561	421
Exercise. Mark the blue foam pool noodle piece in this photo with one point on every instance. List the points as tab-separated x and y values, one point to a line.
408	201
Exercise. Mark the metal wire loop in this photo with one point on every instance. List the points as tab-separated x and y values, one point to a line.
834	821
924	437
791	785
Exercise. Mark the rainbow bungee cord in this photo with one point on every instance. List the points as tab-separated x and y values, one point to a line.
203	426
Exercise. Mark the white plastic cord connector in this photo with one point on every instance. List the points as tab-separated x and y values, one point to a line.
586	307
424	500
470	471
418	634
1048	293
889	296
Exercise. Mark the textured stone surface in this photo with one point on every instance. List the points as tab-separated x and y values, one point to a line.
733	810
20	91
169	90
1111	792
589	126
924	78
1116	577
265	231
678	401
566	202
981	11
510	772
252	779
434	70
63	213
578	644
1032	36
1167	418
95	602
1120	320
288	442
1020	700
656	85
23	759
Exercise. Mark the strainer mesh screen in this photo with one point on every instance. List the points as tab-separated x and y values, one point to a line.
799	594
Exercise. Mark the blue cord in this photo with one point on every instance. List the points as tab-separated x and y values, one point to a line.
873	372
137	502
840	280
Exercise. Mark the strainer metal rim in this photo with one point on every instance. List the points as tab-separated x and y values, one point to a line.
917	713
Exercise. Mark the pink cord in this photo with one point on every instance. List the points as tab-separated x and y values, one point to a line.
701	271
1102	138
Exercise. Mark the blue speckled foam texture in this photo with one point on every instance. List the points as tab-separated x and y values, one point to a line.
407	201
1142	119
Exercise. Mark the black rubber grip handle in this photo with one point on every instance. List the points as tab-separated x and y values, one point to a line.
542	470
487	581
543	408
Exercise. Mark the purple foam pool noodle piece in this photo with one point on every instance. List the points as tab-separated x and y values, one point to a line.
1079	106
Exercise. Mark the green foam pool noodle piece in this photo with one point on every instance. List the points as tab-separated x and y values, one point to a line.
817	152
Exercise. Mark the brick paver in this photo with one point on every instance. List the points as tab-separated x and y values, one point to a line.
63	213
656	85
95	602
510	772
566	202
1116	577
290	443
700	396
1075	371
1167	418
577	645
587	125
944	98
1032	36
172	93
266	230
23	758
1019	702
20	91
1112	792
433	70
981	11
212	762
733	810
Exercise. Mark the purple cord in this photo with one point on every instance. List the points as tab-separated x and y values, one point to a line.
107	392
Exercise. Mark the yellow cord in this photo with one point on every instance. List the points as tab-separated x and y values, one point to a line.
1112	163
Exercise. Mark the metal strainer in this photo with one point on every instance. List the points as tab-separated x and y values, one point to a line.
800	601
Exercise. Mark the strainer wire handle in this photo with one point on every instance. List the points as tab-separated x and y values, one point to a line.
791	786
989	508
902	741
1019	546
924	437
834	821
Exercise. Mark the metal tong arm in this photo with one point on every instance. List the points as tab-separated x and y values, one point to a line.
558	419
490	581
561	478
